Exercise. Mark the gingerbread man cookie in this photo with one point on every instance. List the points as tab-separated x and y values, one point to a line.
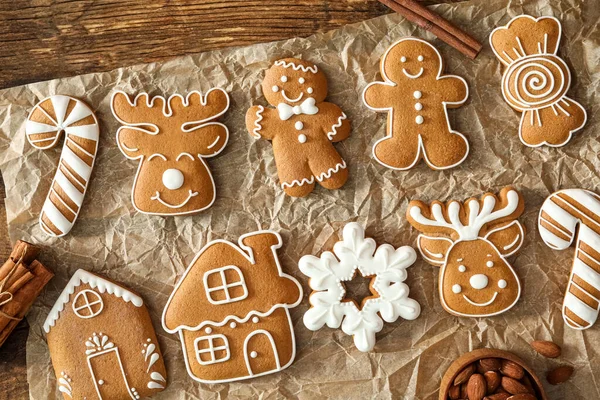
416	96
470	241
301	127
536	80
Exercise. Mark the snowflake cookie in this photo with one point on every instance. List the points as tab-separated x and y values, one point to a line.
385	266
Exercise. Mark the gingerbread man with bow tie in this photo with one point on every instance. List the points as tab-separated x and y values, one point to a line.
301	127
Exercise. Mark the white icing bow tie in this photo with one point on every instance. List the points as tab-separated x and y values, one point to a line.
307	107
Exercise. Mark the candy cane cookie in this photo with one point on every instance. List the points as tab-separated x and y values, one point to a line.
44	126
558	220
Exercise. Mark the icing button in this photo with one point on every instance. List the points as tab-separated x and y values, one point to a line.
298	125
232	325
417	94
419	119
302	138
297	110
418	106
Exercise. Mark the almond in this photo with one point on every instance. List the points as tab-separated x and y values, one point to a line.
546	348
490	364
492	380
527	383
476	387
497	396
522	396
454	392
464	375
513	386
463	391
512	370
559	375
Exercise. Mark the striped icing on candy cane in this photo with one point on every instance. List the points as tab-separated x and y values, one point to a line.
558	220
44	126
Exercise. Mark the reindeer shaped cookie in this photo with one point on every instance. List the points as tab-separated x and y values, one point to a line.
171	138
470	242
302	127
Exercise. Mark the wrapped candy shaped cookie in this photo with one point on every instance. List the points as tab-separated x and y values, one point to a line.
302	127
416	96
536	80
470	241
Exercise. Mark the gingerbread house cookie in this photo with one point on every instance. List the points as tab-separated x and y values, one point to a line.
230	310
102	342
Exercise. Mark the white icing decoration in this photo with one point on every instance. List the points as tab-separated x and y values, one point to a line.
172	179
338	124
184	154
298	125
157	155
290	100
566	211
419	119
417	94
255	320
105	352
418	106
225	285
275	88
101	382
257	125
302	138
301	80
296	67
403	59
254	354
386	264
420	58
485	304
539	83
307	107
232	325
309	90
248	253
490	263
413	76
456	289
87	299
190	126
95	282
502	284
64	384
208	330
164	203
462	268
479	281
64	122
284	79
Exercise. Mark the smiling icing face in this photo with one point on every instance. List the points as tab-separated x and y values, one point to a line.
291	81
416	60
476	282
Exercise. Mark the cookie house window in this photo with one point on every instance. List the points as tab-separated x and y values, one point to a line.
225	285
211	349
87	304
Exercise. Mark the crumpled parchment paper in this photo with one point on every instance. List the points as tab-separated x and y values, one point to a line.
149	253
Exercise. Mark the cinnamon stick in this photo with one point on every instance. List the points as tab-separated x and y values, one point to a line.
432	22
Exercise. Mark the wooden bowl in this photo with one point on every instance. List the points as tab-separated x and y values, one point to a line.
463	361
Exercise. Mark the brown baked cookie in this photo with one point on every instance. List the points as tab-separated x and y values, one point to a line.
102	342
171	139
536	80
470	241
230	310
301	127
416	97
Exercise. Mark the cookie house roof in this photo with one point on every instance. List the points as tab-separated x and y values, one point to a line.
268	287
95	282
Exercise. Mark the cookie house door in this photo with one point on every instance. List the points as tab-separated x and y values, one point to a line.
108	375
260	353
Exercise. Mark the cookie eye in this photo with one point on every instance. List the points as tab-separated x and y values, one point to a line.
301	80
462	268
284	79
502	284
420	58
489	264
275	88
309	90
403	59
456	289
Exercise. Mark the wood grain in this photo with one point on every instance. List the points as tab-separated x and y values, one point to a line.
47	39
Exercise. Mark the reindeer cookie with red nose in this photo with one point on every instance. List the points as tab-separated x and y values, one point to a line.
470	241
302	127
416	97
171	138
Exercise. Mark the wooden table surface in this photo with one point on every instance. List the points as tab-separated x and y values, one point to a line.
47	39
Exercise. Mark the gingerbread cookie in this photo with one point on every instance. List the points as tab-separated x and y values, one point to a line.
45	124
171	139
301	127
385	266
102	342
230	309
536	80
416	97
561	214
470	241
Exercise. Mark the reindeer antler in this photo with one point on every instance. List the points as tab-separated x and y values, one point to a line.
452	219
